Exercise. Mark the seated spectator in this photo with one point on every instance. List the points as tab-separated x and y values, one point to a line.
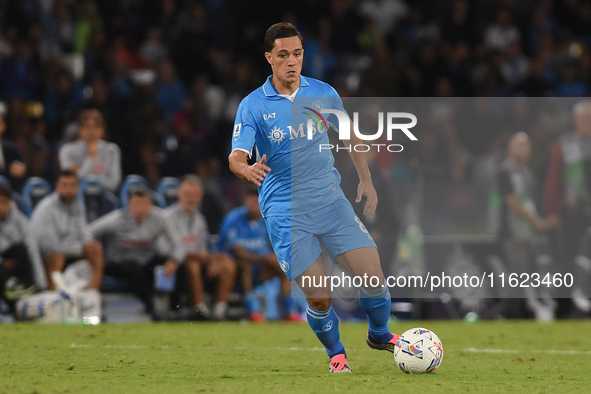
12	165
130	235
18	251
91	155
244	235
60	228
191	226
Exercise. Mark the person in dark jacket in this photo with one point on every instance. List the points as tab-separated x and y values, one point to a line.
12	165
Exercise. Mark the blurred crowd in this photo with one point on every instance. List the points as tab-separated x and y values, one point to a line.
168	75
166	78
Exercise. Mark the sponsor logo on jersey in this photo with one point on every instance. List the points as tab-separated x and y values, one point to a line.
277	135
237	128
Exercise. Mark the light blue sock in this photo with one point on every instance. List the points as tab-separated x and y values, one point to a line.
272	289
325	325
377	305
252	302
288	304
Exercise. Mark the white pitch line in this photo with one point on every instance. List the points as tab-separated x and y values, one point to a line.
567	352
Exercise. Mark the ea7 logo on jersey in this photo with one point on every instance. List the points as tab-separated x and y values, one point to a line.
237	128
269	116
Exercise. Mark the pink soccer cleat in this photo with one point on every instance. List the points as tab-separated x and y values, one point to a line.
389	346
339	364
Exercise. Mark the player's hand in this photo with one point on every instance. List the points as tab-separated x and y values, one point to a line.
170	267
257	172
366	189
541	225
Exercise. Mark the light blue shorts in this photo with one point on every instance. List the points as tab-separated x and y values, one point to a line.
296	239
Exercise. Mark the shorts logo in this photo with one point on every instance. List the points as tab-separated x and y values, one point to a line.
277	135
284	265
327	326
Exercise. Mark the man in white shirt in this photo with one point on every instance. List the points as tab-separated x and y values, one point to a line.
190	224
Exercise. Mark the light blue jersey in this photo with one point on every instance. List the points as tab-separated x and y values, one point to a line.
302	177
238	230
300	198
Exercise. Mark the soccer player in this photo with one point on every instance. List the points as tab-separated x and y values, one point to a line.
19	256
60	228
300	197
566	195
131	250
191	227
244	234
518	226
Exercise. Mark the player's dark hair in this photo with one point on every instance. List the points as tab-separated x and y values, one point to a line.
192	178
137	191
92	114
67	174
280	30
5	190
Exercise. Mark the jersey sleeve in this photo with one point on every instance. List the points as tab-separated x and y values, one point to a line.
244	131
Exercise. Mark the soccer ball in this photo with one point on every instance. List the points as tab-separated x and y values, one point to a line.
418	350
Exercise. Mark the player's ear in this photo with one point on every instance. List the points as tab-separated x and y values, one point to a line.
268	57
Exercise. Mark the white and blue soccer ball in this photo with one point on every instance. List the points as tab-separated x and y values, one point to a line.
418	350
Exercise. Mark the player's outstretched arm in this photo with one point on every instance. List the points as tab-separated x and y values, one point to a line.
255	173
365	187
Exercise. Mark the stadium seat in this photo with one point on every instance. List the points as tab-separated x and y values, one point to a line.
132	180
34	190
16	197
97	200
168	189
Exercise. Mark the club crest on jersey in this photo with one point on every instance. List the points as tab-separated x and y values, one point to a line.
318	105
277	135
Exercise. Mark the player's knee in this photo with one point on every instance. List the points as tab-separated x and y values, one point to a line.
93	250
193	266
229	266
97	263
320	304
54	261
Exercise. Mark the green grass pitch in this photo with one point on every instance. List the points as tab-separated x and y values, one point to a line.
280	357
